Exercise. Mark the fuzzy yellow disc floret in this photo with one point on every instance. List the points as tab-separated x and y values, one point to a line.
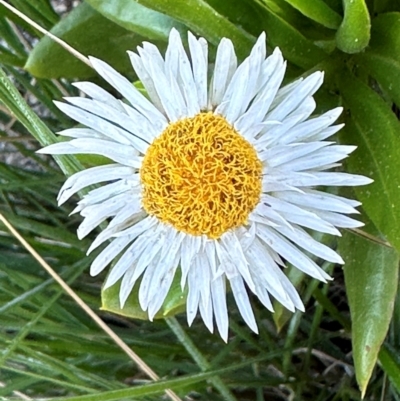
201	176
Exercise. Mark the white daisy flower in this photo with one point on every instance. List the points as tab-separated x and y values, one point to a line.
218	179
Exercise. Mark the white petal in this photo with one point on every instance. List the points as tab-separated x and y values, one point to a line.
118	271
128	259
96	214
338	220
105	192
279	155
108	254
256	72
243	303
202	268
272	135
185	78
125	155
162	282
311	179
319	159
135	98
146	79
233	248
138	126
294	214
306	88
99	124
190	248
314	129
304	240
274	70
82	133
143	126
193	299
94	175
172	102
206	312
147	279
267	274
199	67
150	253
126	286
232	104
98	93
218	293
290	252
320	200
211	256
225	66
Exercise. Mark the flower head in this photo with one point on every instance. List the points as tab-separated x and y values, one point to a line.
218	179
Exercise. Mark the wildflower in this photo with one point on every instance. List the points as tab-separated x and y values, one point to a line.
216	179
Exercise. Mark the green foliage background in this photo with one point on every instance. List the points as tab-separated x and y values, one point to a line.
52	349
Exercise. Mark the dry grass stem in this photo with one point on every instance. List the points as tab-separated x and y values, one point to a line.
140	363
65	45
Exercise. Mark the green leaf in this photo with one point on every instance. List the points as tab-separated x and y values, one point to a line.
174	303
371	276
382	58
390	361
318	11
295	47
46	231
38	11
373	127
13	100
382	6
90	33
240	13
148	389
134	17
336	5
203	20
354	32
7	58
10	37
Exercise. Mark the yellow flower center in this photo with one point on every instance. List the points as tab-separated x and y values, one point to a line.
201	176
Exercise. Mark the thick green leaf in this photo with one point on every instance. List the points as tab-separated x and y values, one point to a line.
203	20
382	58
295	47
12	99
318	11
389	359
336	5
371	276
174	303
382	6
38	11
6	13
10	37
373	127
150	388
46	231
354	32
137	18
7	58
240	12
90	33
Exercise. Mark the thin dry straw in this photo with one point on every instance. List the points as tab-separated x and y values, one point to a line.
141	364
65	45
